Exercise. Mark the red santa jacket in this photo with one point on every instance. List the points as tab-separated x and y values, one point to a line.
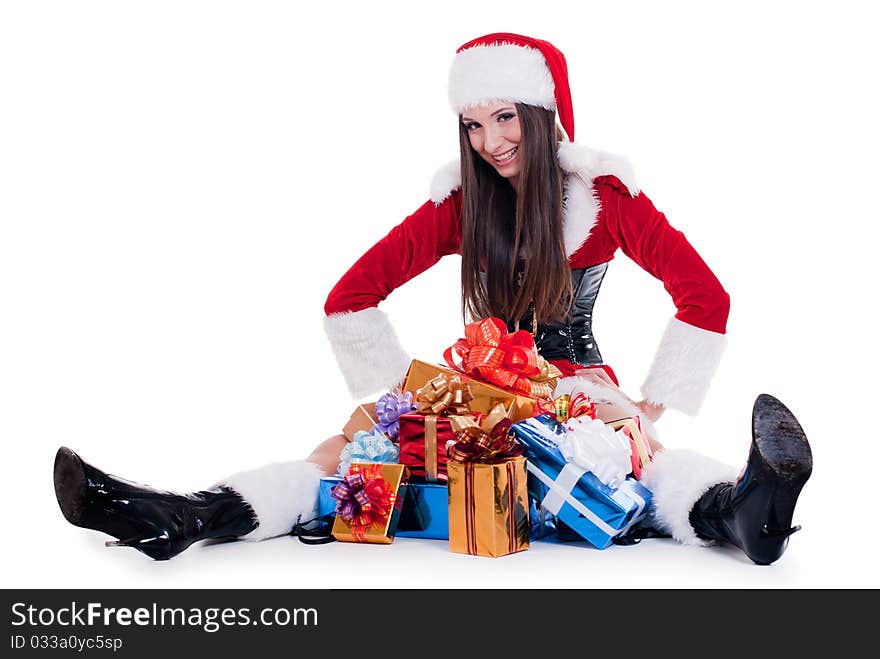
603	212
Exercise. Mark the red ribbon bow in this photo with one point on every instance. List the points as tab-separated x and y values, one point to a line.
364	499
510	360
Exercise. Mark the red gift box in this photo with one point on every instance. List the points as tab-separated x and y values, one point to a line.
423	445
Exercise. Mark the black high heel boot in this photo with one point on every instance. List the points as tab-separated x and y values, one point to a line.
755	512
159	524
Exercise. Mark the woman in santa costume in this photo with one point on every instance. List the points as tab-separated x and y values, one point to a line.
536	219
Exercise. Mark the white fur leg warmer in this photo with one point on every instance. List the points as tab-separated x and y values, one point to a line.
678	478
280	494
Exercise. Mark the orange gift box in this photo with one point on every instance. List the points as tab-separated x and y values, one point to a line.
363	418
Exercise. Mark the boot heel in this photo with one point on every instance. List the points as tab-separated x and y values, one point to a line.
157	547
779	533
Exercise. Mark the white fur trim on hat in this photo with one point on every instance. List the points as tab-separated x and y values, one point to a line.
367	350
683	367
678	478
482	74
279	494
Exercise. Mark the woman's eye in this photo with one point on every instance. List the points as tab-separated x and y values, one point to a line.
507	116
473	125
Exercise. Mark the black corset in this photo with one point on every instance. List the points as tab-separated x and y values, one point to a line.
571	339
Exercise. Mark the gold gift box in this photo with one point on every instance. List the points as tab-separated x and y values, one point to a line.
486	396
395	476
363	418
488	507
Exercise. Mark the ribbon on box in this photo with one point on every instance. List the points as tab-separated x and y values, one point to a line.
371	446
510	360
640	446
446	395
488	441
364	499
389	407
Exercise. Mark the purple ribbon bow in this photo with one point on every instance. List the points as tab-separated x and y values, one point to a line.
350	497
389	408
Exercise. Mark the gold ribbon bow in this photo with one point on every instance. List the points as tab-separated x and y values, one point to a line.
444	394
544	383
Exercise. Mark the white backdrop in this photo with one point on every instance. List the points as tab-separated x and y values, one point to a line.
181	184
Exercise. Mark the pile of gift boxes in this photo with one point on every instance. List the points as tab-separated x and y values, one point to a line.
481	454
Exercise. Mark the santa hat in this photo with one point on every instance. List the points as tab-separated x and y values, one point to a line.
511	67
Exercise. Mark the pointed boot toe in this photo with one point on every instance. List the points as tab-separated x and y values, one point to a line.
70	485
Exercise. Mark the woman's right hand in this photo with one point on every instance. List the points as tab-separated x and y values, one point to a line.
652	411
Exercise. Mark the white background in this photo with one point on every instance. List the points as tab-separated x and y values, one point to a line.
181	184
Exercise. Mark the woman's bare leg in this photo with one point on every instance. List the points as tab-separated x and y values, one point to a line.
326	454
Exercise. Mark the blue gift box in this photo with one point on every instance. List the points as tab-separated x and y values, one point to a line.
594	510
326	503
425	511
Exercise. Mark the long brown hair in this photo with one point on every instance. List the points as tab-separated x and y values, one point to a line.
515	235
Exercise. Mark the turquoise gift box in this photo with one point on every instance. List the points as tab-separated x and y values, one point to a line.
425	511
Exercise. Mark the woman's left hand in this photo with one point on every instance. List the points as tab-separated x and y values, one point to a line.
651	410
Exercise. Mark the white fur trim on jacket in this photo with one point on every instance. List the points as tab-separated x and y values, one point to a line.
573	158
280	495
445	180
367	350
678	478
504	72
580	207
593	163
683	367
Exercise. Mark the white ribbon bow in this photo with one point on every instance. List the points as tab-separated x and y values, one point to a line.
595	447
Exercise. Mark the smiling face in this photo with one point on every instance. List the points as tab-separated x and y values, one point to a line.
494	133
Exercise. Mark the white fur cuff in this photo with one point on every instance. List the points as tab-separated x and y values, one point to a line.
684	366
280	494
678	478
367	350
